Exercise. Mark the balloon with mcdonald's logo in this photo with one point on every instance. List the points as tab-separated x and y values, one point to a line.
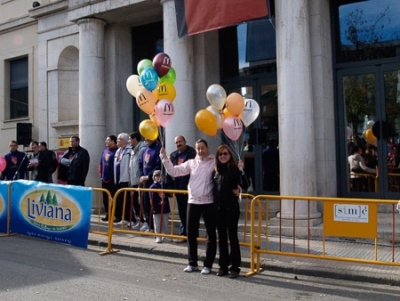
164	111
162	63
232	127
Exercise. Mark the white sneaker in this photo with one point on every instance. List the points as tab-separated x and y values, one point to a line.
129	224
135	226
158	240
145	227
122	222
190	269
205	271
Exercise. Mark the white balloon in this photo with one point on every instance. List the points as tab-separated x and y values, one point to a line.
218	114
216	96
250	111
370	124
133	84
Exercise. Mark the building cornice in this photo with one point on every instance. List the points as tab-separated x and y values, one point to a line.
13	24
48	9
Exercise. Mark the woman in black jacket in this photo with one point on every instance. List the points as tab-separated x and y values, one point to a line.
229	179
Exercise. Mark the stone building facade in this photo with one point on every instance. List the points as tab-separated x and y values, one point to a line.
80	53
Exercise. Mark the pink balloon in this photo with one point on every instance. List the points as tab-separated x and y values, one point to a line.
232	127
164	111
3	163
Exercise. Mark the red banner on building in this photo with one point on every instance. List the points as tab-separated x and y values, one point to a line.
196	16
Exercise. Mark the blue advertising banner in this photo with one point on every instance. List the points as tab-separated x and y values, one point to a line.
3	206
53	212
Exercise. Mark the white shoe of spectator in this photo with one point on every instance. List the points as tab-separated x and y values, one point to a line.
144	227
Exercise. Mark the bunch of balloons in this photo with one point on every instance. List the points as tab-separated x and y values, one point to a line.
153	88
226	112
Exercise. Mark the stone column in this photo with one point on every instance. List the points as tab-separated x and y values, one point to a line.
91	92
182	55
296	120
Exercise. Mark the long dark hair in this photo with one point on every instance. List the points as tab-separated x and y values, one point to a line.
231	161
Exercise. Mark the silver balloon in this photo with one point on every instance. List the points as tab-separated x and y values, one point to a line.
216	96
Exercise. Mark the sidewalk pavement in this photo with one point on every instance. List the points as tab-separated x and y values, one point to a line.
374	273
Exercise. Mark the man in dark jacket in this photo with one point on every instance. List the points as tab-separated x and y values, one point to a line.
16	163
39	164
183	153
149	161
106	171
74	165
54	161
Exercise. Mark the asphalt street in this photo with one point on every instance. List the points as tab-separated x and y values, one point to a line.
39	270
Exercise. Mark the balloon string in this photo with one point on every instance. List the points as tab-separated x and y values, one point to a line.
233	145
161	135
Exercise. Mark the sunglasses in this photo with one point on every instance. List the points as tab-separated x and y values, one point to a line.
223	154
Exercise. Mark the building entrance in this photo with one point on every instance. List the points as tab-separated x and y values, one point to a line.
369	105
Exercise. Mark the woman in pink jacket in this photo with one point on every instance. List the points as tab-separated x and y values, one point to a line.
200	202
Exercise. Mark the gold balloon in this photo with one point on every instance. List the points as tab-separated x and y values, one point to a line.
148	129
165	90
226	113
206	122
370	137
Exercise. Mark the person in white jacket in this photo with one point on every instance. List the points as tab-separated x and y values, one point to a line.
357	169
200	202
121	177
134	177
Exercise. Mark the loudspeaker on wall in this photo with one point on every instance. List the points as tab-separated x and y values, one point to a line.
24	133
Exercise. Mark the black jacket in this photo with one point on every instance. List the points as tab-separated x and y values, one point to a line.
78	168
43	167
224	182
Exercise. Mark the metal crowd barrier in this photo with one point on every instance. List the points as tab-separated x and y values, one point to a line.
121	229
98	194
347	224
353	222
371	181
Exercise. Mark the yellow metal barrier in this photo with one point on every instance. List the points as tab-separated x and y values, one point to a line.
246	200
99	192
343	217
371	181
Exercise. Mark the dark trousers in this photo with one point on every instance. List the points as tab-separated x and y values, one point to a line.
181	200
76	182
145	203
194	212
137	211
120	203
227	226
147	210
110	186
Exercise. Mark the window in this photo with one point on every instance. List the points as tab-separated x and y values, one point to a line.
18	102
250	47
367	30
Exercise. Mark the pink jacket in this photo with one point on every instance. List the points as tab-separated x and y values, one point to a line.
200	183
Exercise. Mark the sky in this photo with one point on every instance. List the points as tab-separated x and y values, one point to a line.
371	10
